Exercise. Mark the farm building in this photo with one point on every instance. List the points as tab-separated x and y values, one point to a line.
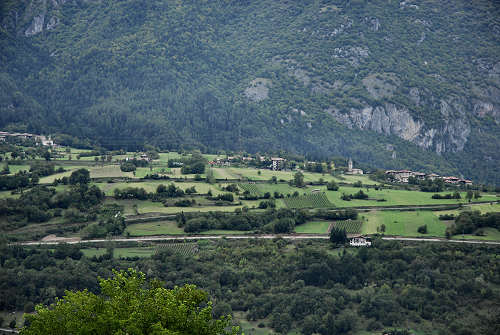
360	241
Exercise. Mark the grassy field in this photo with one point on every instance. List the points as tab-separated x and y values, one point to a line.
313	227
109	171
154	228
489	234
16	168
483	208
50	179
394	197
266	174
403	223
355	178
7	194
224	173
121	252
165	156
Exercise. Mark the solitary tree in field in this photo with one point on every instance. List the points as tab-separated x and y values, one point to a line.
129	305
298	179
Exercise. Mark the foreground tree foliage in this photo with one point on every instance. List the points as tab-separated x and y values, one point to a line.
129	305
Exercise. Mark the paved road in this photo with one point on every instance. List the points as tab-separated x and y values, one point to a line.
8	330
239	237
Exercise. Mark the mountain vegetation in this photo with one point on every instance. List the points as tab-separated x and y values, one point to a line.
394	84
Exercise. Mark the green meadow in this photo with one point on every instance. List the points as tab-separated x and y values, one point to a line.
154	228
313	227
403	223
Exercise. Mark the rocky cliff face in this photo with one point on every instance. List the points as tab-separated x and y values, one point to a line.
390	119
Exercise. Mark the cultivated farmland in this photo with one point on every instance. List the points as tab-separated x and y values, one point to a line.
253	189
350	226
314	200
185	249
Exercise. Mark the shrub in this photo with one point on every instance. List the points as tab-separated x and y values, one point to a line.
422	229
127	167
332	186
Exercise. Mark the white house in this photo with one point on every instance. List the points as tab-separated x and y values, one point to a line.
359	241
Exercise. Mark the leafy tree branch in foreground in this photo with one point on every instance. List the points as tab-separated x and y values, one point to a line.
130	305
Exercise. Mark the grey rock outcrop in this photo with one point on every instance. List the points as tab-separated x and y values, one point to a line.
36	26
53	22
258	89
389	119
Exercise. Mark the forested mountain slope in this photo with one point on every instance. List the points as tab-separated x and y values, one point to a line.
393	84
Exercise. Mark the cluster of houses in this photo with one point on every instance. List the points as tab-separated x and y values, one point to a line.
402	176
46	141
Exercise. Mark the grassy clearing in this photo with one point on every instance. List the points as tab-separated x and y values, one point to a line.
109	171
483	208
404	223
313	227
490	234
165	156
265	174
224	173
251	327
50	179
7	194
154	228
16	168
351	179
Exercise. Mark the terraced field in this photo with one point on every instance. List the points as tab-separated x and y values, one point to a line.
314	200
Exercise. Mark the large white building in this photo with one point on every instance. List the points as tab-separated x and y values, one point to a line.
277	163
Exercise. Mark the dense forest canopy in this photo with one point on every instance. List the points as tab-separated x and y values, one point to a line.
308	287
395	84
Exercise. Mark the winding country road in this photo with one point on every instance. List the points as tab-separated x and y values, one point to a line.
239	237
